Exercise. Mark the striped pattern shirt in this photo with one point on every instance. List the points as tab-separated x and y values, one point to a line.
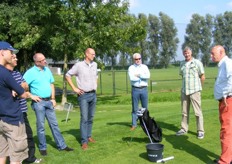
19	79
191	72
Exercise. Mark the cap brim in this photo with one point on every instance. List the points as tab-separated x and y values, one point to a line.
15	51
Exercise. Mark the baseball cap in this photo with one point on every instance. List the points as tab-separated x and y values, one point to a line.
6	46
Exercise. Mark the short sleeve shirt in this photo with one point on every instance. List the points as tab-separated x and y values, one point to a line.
39	81
191	72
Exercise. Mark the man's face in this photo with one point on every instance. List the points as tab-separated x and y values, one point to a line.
7	56
188	55
14	61
41	61
137	59
90	55
215	55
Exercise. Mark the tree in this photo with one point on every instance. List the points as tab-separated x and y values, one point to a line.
153	38
168	39
223	31
198	36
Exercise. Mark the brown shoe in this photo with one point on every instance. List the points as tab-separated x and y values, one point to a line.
132	128
90	139
84	146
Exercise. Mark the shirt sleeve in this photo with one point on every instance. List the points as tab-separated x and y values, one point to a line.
73	71
146	73
228	89
131	73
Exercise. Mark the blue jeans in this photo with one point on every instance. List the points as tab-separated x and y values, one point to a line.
138	94
45	109
87	103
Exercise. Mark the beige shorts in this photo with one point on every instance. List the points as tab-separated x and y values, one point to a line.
13	141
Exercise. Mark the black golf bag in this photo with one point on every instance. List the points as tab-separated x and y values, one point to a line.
149	125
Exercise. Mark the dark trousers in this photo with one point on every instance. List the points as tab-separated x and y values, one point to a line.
30	141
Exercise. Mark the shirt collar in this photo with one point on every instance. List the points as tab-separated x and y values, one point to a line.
38	69
222	60
89	64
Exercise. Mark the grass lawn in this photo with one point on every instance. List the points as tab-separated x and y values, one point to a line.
117	144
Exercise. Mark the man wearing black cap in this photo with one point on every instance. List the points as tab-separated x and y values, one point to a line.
13	138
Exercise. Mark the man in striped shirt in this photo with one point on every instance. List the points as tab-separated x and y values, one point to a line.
193	76
23	106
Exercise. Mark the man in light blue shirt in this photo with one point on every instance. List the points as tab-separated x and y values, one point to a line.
139	75
40	81
223	93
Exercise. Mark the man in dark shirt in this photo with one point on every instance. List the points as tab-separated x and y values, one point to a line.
13	138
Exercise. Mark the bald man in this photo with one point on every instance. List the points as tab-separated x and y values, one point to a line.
86	78
223	93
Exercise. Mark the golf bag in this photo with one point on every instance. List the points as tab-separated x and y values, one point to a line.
149	125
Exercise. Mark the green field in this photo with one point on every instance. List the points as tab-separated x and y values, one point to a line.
117	144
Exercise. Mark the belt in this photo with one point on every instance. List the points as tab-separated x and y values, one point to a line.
45	99
92	91
226	98
139	87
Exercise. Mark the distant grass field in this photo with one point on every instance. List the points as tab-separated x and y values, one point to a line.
166	86
117	144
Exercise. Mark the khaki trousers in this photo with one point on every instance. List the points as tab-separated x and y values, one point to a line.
195	100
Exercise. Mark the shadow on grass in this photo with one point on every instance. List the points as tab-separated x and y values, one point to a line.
182	143
50	140
75	133
119	123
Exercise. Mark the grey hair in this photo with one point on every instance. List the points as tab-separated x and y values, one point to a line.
187	48
135	54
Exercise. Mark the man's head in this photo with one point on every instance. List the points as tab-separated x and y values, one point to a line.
40	60
13	64
217	53
137	58
6	52
187	52
89	55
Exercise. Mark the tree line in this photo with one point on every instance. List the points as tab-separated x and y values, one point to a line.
63	29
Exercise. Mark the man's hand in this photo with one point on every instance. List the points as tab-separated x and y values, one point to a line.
79	91
53	102
14	94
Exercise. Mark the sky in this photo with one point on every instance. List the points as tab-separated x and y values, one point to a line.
180	11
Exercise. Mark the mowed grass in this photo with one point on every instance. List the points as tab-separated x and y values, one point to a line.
117	144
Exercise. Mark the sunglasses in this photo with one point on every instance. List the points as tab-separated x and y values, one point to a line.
138	59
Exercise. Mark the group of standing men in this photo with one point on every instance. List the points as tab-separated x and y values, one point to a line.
193	76
15	132
16	138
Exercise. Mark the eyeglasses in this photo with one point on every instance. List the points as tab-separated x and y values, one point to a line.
138	59
42	60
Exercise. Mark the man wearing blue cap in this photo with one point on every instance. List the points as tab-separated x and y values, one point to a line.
13	138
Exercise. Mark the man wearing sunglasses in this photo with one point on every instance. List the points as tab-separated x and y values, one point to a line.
139	75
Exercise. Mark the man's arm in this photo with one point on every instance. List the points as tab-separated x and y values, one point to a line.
202	77
74	88
53	94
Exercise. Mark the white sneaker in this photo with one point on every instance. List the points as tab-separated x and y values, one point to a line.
200	135
38	160
181	132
